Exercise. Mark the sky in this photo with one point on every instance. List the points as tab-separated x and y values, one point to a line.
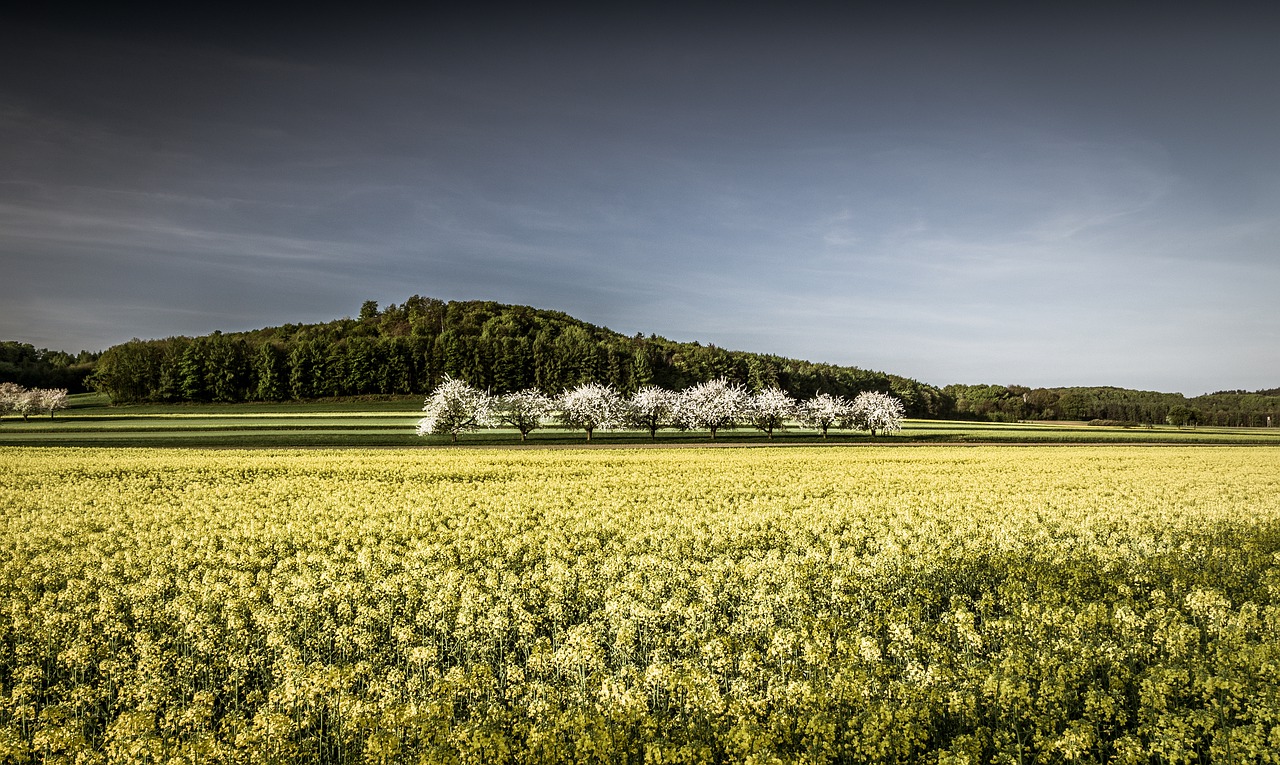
984	194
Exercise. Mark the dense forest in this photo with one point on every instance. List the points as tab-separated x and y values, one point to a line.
1010	403
409	348
24	364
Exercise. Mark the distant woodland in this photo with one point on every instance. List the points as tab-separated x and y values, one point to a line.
409	348
1118	406
24	364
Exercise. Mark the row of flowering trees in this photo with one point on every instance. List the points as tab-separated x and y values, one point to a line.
455	407
29	401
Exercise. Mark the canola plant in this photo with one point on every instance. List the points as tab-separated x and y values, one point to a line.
763	605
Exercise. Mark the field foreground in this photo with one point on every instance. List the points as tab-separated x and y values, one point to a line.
863	605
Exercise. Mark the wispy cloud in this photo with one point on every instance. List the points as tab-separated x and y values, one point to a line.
1005	204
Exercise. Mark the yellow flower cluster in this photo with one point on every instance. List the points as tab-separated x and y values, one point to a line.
815	605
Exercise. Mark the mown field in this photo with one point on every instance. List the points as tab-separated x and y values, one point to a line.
91	421
979	604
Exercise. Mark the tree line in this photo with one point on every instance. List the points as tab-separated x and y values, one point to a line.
411	348
455	407
30	367
1011	403
31	401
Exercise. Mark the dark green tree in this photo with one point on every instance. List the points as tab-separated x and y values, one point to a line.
271	368
227	368
1181	416
306	364
193	373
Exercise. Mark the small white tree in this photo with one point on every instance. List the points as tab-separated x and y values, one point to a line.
874	411
824	410
29	402
10	393
50	399
713	405
770	409
653	408
592	407
455	407
525	410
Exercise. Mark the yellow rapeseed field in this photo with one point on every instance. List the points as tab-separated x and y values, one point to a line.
817	605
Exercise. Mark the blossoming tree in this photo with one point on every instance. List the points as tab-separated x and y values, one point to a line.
590	407
50	399
825	410
653	408
455	407
714	405
874	411
769	409
524	410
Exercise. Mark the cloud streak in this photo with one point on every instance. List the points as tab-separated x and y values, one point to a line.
1021	201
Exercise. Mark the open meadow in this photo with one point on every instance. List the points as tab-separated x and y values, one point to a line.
949	604
383	422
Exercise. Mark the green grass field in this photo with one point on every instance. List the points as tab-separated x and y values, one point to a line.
91	421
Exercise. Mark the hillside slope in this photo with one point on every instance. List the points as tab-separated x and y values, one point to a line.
409	348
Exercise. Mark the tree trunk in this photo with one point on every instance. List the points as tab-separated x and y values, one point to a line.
589	433
455	437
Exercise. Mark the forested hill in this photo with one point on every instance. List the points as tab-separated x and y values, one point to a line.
409	348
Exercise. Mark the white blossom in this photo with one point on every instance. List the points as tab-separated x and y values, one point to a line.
524	410
455	407
874	411
591	407
29	402
50	399
10	394
825	410
770	409
653	408
713	405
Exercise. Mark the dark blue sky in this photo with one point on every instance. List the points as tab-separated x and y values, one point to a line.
1071	197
